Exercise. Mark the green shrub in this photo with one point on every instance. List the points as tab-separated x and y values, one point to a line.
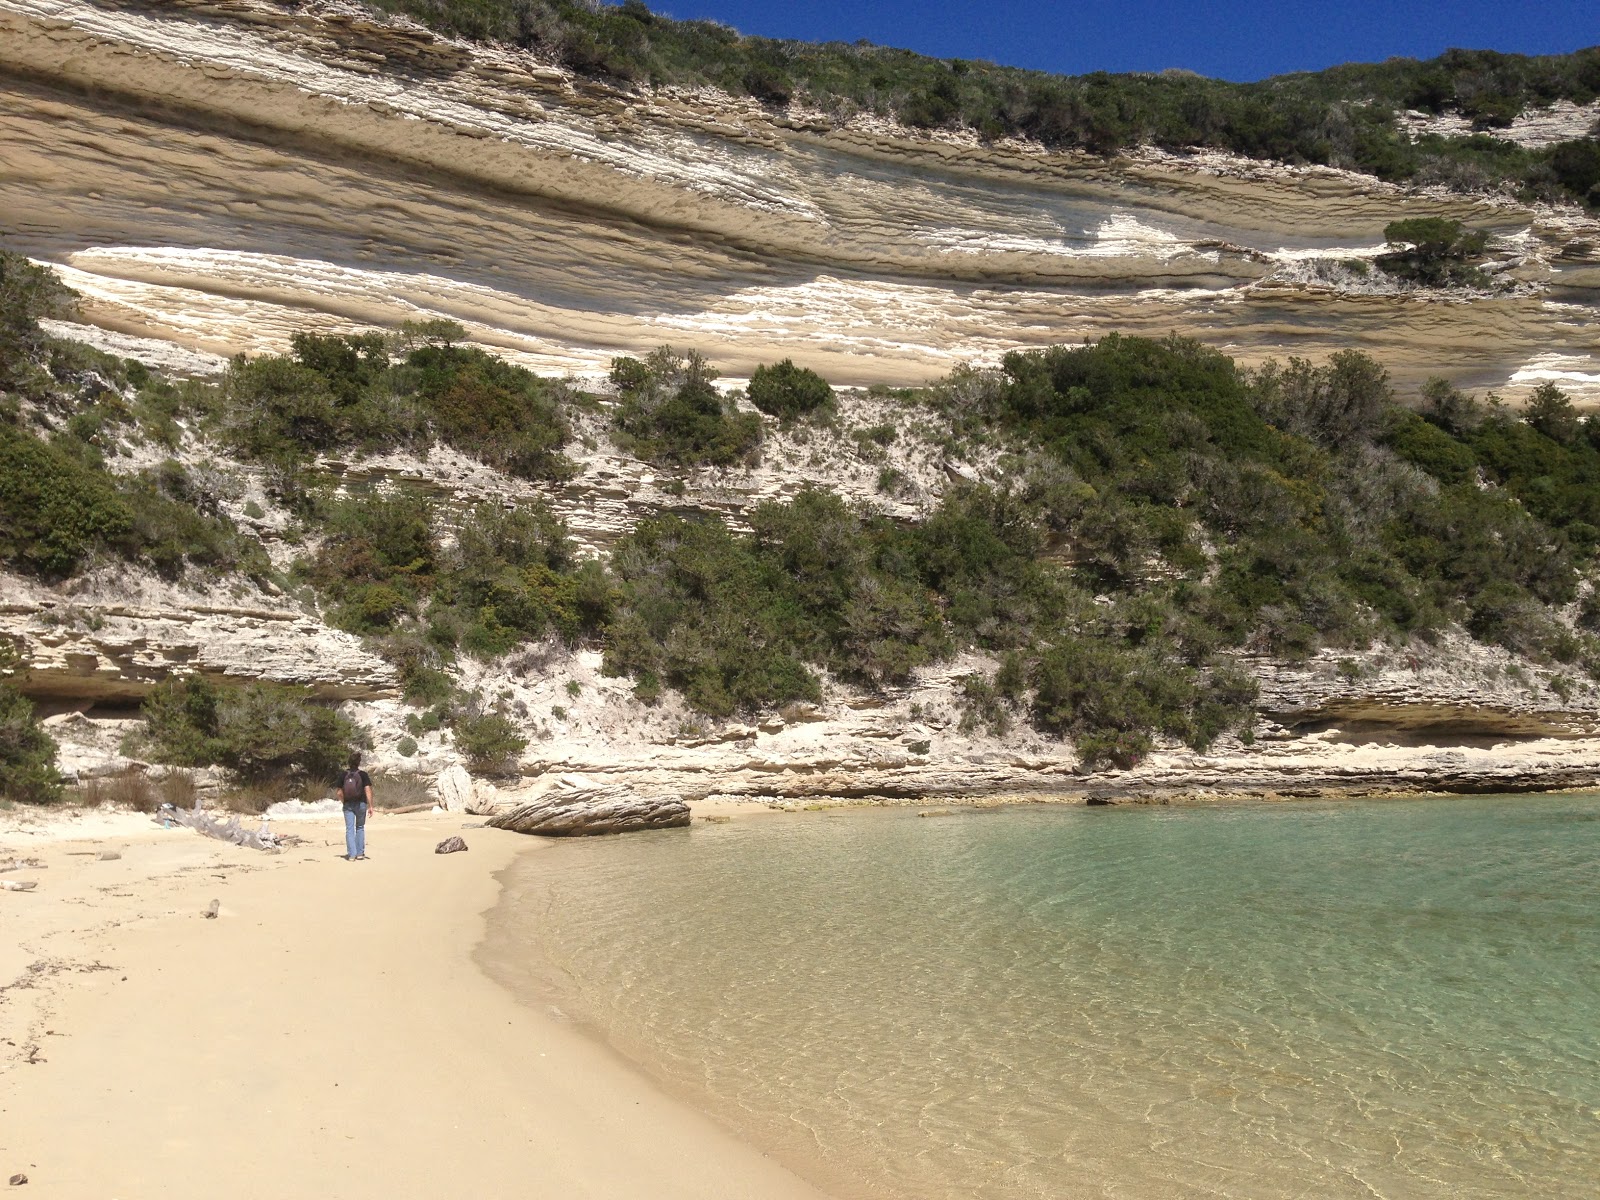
258	730
1434	252
488	740
498	413
983	706
27	753
672	414
406	747
697	611
28	294
378	558
513	576
1111	700
788	392
178	525
54	511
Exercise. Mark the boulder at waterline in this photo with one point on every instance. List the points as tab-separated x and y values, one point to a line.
594	811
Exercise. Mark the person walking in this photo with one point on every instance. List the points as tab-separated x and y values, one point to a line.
354	789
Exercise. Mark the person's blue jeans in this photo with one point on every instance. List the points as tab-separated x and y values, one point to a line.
355	829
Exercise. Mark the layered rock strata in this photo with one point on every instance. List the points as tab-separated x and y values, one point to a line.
593	812
219	174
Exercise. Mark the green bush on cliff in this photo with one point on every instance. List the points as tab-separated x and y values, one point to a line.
56	512
499	413
376	561
28	294
256	730
343	394
513	576
671	413
788	392
27	753
486	738
1434	252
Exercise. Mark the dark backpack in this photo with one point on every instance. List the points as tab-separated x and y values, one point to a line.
351	788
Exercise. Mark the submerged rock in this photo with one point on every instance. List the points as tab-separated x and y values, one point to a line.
600	810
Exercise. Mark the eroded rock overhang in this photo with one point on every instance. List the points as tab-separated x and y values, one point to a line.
221	174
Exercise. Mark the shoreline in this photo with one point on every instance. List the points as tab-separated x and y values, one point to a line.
330	1033
342	1028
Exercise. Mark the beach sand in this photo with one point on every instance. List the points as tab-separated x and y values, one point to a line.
327	1035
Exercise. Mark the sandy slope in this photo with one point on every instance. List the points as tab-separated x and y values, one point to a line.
328	1035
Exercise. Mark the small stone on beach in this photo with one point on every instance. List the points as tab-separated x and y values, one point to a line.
211	910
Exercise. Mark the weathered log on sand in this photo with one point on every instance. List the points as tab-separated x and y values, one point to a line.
592	811
225	831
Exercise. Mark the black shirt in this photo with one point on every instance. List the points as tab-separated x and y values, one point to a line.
338	787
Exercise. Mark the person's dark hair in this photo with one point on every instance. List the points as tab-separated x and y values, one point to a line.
355	759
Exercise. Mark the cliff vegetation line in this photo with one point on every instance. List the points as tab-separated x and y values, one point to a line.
1344	116
1155	518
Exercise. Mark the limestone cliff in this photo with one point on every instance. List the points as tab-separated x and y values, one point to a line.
214	175
220	173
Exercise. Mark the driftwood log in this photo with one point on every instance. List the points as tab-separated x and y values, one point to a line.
582	812
224	831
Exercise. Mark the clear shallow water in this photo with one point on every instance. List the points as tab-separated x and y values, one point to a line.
1397	999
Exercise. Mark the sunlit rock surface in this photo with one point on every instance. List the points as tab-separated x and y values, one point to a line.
219	174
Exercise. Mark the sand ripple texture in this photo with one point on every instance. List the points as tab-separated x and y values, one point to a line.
220	174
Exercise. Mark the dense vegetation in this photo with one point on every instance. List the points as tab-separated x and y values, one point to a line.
27	753
1344	116
258	730
671	414
347	394
1159	511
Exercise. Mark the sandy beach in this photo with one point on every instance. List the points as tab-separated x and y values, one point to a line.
327	1034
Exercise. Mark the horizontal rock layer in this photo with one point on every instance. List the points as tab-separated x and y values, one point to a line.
221	173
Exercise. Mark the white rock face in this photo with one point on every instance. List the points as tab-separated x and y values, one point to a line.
108	637
868	252
455	789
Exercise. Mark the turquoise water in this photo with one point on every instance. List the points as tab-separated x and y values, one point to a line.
1354	999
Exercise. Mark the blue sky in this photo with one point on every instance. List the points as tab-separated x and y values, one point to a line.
1227	39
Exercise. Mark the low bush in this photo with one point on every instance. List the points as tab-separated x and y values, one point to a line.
487	739
514	577
258	730
55	512
28	294
399	789
58	511
671	413
27	753
788	392
733	621
377	560
1434	252
498	413
129	788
